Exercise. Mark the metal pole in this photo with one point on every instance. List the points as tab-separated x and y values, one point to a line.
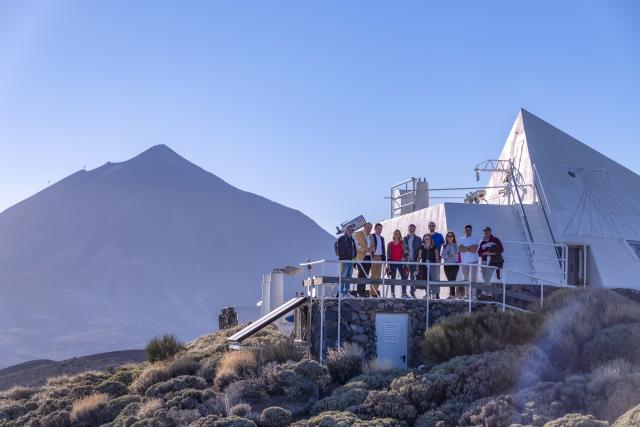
541	294
470	286
427	301
504	290
339	301
428	277
383	272
322	324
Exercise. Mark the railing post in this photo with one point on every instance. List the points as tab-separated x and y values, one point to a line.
541	293
427	288
428	277
504	290
339	302
469	294
322	324
383	272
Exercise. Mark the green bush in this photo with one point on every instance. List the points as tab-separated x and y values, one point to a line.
275	416
175	384
491	411
162	348
390	404
481	331
345	362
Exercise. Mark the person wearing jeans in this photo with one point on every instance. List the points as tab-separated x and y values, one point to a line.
345	248
397	252
413	244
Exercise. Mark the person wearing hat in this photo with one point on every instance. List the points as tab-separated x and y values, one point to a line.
490	250
345	248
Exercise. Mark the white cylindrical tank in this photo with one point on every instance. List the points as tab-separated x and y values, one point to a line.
422	194
266	294
276	290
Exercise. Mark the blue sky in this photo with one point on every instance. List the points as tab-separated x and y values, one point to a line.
319	106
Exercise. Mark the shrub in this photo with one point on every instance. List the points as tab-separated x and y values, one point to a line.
149	408
240	410
162	348
175	384
629	418
295	379
208	367
123	376
479	332
613	343
275	416
18	393
90	409
60	418
163	371
207	421
491	411
345	362
575	317
283	350
329	419
234	365
342	399
389	404
234	421
112	388
577	420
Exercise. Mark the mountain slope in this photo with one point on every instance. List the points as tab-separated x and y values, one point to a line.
107	258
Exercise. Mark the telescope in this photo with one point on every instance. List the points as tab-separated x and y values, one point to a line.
356	223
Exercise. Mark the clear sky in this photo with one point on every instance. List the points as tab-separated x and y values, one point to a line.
320	106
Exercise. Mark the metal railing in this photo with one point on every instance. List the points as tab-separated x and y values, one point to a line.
318	291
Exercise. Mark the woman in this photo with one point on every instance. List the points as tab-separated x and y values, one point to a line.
450	255
429	253
397	251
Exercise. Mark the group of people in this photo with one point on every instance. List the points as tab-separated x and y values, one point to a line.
430	252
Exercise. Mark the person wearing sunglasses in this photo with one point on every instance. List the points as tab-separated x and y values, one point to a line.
451	257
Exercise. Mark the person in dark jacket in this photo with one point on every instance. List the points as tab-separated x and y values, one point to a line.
345	248
490	251
413	243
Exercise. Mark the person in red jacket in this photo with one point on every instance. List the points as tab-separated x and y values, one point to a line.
490	251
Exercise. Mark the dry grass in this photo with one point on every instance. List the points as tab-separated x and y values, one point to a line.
89	409
149	408
18	393
162	371
234	365
377	366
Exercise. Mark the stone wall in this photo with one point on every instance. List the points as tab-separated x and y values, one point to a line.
358	322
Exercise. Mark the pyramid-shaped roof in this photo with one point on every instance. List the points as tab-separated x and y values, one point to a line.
587	193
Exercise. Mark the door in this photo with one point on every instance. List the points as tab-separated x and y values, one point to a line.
391	337
576	265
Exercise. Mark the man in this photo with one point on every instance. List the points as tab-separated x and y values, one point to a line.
379	254
364	242
413	243
345	248
490	249
437	238
468	255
